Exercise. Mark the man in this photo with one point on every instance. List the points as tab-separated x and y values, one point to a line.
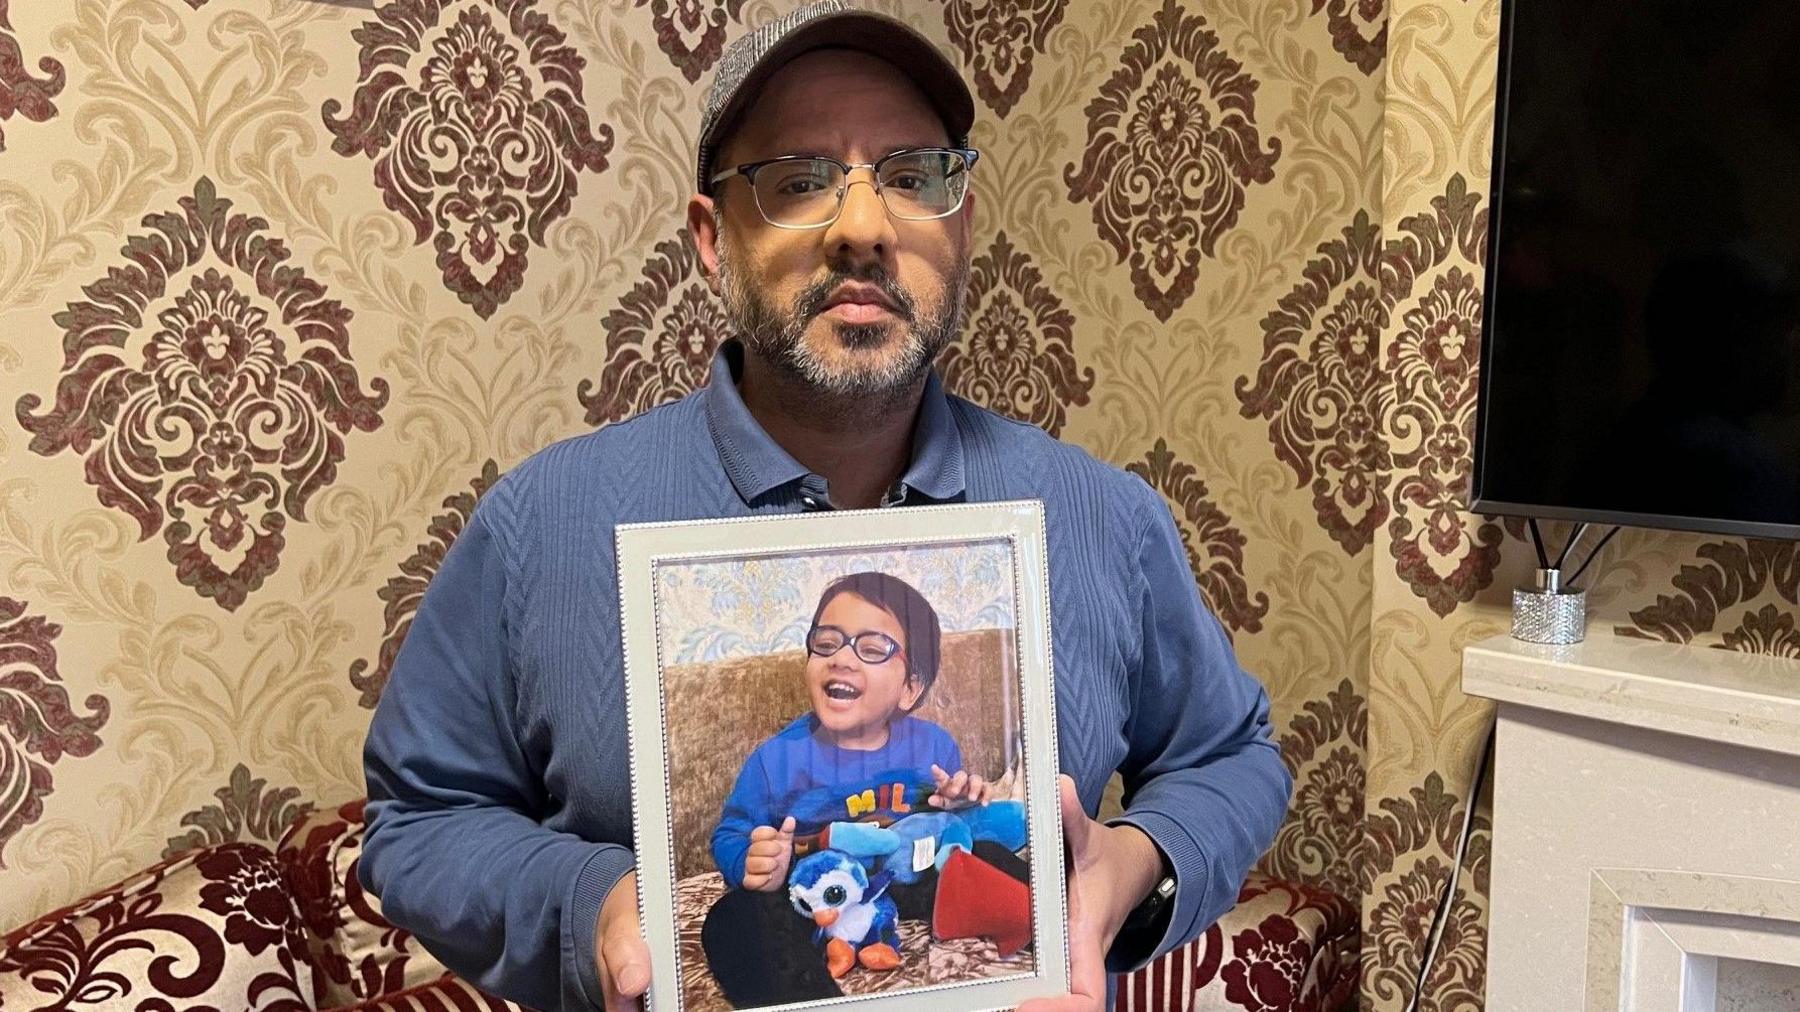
500	808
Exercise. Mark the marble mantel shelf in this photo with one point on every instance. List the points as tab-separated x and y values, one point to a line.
1702	692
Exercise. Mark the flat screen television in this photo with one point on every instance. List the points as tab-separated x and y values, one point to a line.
1640	362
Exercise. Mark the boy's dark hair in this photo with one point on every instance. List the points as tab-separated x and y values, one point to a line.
918	620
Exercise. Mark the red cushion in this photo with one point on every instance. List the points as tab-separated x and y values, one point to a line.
212	928
360	956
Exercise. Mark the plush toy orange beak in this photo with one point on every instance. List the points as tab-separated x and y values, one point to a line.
825	918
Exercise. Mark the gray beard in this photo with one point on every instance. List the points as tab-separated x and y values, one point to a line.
779	338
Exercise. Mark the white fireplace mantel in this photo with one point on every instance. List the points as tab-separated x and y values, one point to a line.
1646	847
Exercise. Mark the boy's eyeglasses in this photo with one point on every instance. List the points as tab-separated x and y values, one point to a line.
869	647
807	191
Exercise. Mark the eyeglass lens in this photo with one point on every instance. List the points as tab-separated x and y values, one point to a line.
808	191
869	647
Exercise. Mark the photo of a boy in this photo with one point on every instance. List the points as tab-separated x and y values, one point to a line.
857	762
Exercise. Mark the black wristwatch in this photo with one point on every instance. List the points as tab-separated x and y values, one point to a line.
1151	916
1146	925
1154	910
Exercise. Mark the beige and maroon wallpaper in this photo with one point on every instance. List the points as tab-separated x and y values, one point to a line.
286	284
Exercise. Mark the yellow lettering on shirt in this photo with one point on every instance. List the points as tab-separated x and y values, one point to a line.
860	804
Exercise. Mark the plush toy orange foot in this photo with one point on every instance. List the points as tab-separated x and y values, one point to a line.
880	956
839	957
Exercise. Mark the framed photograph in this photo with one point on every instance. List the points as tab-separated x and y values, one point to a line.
843	759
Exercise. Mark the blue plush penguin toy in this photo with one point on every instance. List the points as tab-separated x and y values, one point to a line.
857	922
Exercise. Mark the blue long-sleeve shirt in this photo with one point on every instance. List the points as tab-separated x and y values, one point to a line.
499	812
798	773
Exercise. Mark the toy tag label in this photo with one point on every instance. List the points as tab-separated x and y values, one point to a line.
924	853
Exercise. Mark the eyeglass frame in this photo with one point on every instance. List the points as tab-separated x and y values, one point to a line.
850	641
749	169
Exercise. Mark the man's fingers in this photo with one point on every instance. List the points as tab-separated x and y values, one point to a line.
1087	964
761	833
1087	956
938	774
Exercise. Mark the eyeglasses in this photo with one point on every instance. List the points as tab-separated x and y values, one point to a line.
869	647
807	191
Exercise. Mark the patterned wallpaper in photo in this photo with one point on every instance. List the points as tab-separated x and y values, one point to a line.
710	610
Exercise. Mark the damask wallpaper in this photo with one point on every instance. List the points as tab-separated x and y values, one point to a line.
285	285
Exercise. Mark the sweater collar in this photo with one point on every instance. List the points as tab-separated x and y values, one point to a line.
757	465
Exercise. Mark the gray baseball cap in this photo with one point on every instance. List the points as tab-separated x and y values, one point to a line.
748	63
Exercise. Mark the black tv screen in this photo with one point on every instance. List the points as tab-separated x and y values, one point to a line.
1641	355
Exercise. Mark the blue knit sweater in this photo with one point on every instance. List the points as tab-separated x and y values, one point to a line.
797	773
499	812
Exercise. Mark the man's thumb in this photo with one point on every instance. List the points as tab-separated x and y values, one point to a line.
629	960
787	830
634	979
1075	822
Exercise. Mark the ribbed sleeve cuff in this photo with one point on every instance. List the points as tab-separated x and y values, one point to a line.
581	914
1189	864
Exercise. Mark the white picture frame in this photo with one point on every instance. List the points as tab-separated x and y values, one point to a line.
751	570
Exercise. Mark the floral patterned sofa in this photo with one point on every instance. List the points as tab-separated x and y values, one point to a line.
236	926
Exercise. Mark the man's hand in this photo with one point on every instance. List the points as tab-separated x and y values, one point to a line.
766	863
1111	869
619	949
958	790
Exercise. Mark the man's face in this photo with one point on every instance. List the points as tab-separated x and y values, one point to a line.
859	307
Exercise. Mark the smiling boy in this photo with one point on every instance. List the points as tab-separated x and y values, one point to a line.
859	755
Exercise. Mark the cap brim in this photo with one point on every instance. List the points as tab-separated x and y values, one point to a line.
876	34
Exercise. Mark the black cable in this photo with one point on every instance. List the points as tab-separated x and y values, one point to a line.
1591	557
1575	534
1442	917
1537	542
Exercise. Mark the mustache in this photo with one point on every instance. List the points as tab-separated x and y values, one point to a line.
812	301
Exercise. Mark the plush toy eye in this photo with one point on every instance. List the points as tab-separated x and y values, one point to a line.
834	895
